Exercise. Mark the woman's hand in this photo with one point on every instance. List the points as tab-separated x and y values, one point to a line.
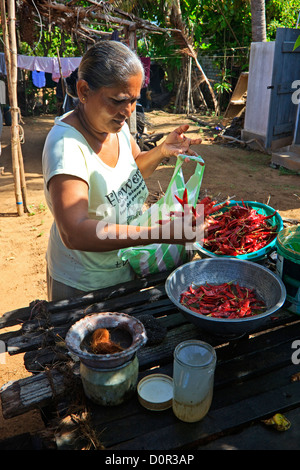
183	229
177	143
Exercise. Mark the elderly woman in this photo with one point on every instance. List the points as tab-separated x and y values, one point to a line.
94	170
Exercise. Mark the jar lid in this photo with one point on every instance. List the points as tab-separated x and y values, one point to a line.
155	392
194	353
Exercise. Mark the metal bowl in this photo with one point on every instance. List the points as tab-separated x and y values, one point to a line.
267	285
133	330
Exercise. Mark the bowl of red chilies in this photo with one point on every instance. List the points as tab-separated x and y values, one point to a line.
226	296
243	229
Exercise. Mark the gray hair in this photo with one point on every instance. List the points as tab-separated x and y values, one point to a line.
109	63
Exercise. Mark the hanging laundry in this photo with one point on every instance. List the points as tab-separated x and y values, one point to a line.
45	64
26	62
38	79
68	65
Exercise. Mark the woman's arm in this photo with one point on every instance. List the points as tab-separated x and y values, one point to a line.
175	144
69	197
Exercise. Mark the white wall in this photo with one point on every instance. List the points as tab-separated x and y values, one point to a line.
258	95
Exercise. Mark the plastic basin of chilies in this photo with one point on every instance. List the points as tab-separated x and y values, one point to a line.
134	333
268	287
288	265
255	255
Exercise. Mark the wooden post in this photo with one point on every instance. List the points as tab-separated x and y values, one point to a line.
61	75
11	61
132	119
22	177
188	98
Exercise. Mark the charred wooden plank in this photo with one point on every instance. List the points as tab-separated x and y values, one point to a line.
20	315
128	301
40	338
32	392
38	333
38	361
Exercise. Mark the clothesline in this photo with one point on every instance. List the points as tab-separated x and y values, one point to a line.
44	64
51	65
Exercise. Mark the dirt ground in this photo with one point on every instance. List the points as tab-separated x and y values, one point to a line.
230	171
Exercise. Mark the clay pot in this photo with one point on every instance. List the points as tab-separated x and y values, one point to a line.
126	330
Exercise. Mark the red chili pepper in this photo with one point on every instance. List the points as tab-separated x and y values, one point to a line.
163	221
269	216
238	230
176	214
224	300
184	200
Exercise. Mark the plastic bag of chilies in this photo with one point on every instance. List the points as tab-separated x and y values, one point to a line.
154	258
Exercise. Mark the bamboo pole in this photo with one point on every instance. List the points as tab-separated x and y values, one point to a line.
10	42
14	103
22	177
7	55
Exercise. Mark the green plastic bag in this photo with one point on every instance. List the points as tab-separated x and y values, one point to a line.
158	257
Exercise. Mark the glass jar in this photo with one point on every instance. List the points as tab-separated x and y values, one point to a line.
193	380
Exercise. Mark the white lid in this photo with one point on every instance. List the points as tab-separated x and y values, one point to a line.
155	392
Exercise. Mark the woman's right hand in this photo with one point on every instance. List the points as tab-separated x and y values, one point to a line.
176	143
180	230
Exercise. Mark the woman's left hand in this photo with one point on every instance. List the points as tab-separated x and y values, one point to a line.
177	143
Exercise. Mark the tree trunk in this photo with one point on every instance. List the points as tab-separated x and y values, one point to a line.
177	21
258	13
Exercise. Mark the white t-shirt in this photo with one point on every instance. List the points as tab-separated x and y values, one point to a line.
115	195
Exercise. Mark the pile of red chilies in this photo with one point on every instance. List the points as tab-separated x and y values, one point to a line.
237	231
227	300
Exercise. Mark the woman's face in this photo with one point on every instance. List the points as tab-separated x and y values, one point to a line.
107	108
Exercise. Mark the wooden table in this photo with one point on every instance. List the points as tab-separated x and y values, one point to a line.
255	378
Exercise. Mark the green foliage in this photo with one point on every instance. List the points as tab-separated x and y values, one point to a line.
49	42
222	87
219	29
281	14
